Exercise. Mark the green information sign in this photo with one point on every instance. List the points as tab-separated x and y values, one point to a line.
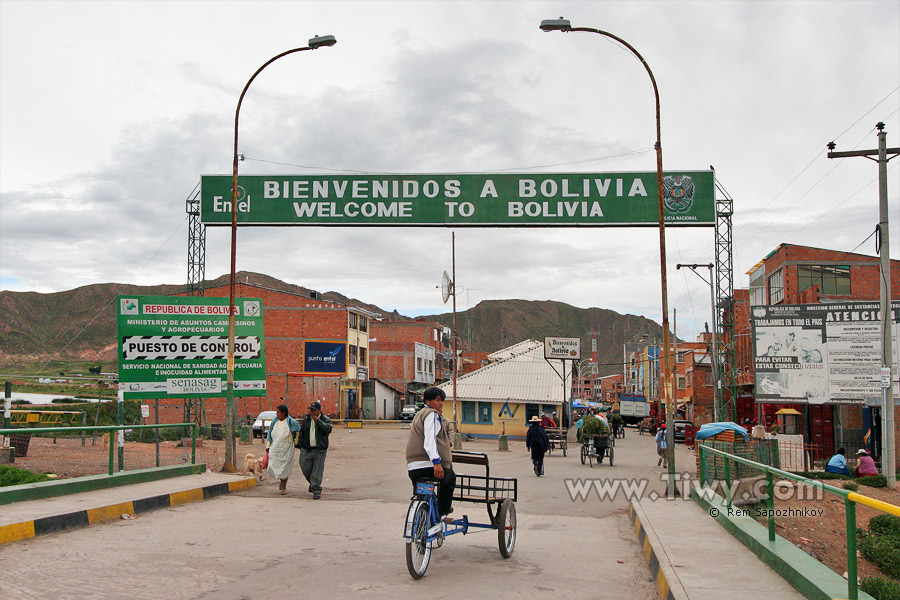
177	346
462	200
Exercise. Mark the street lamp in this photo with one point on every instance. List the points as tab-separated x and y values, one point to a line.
564	25
717	393
314	43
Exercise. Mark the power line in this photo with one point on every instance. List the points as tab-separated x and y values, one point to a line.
817	156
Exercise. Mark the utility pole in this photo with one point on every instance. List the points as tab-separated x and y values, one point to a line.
888	409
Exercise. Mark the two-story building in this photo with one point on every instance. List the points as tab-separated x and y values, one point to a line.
410	356
290	321
793	274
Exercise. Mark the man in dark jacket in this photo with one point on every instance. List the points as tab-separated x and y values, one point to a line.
314	431
536	440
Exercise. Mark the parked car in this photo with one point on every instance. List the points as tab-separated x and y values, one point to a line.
408	412
681	426
261	424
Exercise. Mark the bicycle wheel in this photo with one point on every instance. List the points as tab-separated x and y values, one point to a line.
611	457
583	454
506	527
418	552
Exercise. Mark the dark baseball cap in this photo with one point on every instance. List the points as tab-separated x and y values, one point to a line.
315	406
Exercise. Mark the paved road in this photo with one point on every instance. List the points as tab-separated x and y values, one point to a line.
348	544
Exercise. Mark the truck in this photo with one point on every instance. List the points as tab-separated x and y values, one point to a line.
633	408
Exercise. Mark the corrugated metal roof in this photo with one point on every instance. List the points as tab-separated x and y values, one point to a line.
520	375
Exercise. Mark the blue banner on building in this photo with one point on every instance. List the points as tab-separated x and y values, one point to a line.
325	357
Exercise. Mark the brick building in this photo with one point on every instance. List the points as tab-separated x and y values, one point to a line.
794	274
609	389
410	355
472	361
289	320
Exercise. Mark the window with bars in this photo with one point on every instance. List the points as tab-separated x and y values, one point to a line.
363	323
362	356
352	320
682	382
776	287
351	354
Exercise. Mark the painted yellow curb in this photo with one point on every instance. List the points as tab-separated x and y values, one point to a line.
241	484
16	532
195	495
109	513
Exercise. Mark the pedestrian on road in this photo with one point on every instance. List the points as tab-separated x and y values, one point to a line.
428	453
314	431
838	463
661	446
280	440
537	442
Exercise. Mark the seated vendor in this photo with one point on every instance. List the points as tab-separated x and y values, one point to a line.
838	463
865	466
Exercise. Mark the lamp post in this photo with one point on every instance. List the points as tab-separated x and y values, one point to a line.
717	393
564	25
228	466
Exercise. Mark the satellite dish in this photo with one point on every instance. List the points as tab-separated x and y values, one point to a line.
446	287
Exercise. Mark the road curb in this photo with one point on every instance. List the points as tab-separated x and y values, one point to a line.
92	516
667	583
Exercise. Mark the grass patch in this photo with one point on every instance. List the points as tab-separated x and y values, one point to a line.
881	544
822	475
880	588
10	475
875	481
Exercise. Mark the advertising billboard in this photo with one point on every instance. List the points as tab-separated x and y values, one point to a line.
325	357
461	200
177	346
820	353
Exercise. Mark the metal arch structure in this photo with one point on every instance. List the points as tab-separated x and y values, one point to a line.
194	409
724	318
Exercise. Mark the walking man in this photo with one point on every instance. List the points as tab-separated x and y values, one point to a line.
428	451
314	431
537	442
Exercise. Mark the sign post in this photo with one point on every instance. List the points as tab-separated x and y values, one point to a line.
562	349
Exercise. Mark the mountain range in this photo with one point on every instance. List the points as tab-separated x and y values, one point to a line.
80	324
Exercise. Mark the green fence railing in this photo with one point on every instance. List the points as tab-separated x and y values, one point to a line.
851	499
111	429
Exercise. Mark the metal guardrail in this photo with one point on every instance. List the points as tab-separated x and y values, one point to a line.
44	417
851	499
110	429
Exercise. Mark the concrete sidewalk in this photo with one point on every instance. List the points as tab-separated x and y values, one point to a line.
22	520
692	557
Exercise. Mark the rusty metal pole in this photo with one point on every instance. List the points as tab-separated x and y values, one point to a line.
230	449
564	25
457	435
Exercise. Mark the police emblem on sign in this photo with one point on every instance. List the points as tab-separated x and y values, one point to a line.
678	193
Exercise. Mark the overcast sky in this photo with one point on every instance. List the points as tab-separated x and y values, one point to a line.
111	111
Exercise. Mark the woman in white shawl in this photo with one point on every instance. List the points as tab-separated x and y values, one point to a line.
280	441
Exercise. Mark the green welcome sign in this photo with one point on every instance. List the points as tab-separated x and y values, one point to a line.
177	346
462	200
